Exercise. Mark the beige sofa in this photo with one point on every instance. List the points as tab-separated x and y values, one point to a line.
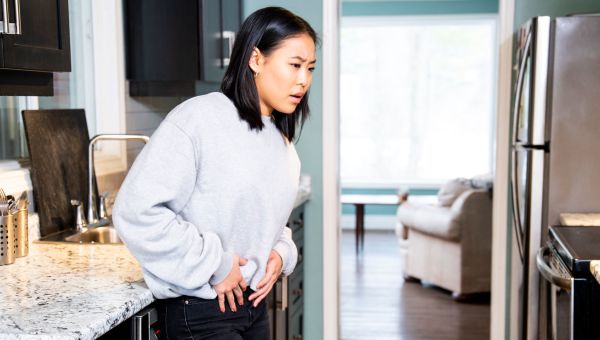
449	243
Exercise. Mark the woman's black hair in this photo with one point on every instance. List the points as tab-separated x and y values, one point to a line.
264	29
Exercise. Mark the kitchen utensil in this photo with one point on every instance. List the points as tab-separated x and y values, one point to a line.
7	238
22	202
3	203
21	225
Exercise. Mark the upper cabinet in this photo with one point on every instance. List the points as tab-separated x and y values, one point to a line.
43	43
175	47
34	36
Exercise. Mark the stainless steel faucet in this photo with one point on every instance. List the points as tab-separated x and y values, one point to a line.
92	216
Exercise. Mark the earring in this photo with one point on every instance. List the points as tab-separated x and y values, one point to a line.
255	74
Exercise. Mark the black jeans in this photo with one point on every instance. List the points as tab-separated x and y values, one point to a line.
187	317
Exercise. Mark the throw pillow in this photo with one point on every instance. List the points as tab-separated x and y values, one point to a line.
450	191
485	181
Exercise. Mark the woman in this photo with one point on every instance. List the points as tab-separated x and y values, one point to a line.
204	206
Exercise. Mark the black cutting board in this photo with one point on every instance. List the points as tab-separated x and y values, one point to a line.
58	147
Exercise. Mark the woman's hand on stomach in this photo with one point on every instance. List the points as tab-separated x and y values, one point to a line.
274	265
233	286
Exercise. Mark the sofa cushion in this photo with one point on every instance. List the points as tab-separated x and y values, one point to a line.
450	191
430	219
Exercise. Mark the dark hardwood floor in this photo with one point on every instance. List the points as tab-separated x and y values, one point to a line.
376	303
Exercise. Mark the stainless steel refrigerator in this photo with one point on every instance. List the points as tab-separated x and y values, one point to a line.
555	145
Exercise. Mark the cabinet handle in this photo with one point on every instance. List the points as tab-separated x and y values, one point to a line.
18	16
6	16
297	292
229	37
283	304
297	337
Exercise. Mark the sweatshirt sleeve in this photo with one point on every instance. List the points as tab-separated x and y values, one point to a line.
145	214
286	248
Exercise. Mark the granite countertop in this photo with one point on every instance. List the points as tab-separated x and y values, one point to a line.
70	291
73	291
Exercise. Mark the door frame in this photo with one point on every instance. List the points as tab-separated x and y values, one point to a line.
331	181
500	321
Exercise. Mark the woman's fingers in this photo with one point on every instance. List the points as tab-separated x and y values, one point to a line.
239	295
243	285
262	290
265	280
232	287
256	294
221	298
260	297
231	300
268	275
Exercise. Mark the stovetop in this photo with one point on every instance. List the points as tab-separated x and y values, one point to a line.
576	246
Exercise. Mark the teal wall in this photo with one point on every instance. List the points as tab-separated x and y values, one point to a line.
524	9
309	149
417	7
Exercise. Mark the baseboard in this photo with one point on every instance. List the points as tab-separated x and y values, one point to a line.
372	222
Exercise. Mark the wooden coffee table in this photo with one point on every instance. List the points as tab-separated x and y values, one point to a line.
359	202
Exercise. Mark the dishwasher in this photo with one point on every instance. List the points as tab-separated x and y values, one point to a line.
143	325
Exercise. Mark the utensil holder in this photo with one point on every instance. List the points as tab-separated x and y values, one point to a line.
7	240
21	232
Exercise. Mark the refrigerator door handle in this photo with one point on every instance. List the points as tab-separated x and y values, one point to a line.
516	116
519	88
5	17
515	206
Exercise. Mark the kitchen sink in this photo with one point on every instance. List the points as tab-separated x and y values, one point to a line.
98	235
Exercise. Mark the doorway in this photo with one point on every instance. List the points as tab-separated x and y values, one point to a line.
408	150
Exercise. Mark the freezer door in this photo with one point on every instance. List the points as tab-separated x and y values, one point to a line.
574	185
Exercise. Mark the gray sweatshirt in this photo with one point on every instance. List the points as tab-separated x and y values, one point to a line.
206	188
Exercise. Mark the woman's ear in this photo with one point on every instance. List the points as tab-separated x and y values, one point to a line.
256	61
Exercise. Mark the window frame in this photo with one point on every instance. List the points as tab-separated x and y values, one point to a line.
441	19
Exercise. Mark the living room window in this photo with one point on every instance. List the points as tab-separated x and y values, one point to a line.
417	98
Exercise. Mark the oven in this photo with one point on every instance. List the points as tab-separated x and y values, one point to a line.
574	296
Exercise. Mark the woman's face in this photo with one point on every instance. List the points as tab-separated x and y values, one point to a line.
284	76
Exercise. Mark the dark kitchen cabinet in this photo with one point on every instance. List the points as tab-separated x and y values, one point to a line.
29	56
286	301
172	46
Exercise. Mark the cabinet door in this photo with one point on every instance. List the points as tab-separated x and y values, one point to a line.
210	28
44	42
232	17
162	40
296	290
295	327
